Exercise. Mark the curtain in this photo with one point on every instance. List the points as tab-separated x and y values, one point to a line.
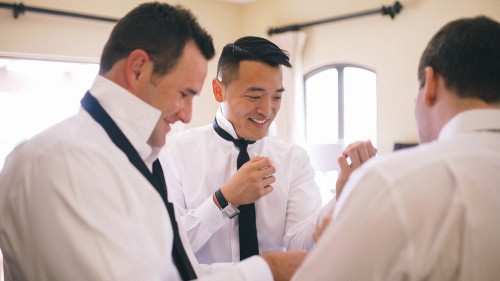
289	123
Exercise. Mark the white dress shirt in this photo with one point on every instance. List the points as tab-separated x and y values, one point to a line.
73	207
428	213
198	162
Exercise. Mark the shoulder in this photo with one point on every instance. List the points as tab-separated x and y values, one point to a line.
73	136
281	145
286	153
398	165
191	142
191	134
406	172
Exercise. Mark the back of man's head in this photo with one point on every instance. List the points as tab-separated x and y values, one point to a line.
159	29
252	49
466	53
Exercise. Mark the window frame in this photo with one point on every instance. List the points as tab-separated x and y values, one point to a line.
340	111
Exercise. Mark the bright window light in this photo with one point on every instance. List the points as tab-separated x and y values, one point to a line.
35	95
340	108
321	104
360	105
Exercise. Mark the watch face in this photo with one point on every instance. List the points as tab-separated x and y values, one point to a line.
231	211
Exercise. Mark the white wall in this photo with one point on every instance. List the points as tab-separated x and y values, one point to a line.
390	47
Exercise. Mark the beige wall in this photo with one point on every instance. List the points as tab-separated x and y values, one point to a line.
390	47
47	36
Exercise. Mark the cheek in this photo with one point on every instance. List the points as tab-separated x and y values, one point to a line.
169	106
421	117
277	106
237	109
418	106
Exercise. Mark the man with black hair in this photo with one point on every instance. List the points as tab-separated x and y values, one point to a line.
247	192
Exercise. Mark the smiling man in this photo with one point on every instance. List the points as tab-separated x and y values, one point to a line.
231	208
86	200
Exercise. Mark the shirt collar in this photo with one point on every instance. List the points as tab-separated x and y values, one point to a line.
471	120
224	123
133	116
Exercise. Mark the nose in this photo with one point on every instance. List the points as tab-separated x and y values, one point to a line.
186	111
265	107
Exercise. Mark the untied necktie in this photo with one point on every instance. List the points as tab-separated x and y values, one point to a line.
246	218
179	255
157	179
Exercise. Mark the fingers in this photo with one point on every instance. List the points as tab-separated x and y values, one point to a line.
343	164
345	171
372	151
359	152
263	175
251	182
260	161
262	166
267	178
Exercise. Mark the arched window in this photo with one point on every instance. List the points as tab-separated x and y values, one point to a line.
340	108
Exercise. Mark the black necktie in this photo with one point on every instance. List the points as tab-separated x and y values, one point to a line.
179	255
92	106
246	218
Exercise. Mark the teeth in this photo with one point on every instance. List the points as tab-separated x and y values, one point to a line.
259	121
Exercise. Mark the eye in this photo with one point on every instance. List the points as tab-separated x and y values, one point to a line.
254	97
183	95
277	98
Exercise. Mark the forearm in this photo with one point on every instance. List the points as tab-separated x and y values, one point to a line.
253	268
301	236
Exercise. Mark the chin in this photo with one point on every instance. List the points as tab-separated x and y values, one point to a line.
257	137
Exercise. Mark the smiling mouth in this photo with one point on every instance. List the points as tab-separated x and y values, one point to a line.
259	121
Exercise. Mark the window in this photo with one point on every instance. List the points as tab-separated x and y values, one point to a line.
35	94
340	108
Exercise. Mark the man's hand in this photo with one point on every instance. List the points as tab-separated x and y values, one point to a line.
358	152
284	264
251	182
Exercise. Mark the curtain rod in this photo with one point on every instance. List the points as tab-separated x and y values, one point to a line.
19	9
391	11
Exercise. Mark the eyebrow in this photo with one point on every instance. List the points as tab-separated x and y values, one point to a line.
192	91
257	89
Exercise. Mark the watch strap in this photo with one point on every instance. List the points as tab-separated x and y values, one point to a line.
222	201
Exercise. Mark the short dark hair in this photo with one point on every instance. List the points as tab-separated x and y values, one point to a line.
159	29
466	53
249	48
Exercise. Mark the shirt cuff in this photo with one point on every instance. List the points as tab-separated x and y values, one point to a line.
213	214
202	222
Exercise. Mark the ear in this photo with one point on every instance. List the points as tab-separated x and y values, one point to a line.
217	89
136	66
430	87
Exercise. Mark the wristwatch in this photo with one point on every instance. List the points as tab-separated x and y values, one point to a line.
227	208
